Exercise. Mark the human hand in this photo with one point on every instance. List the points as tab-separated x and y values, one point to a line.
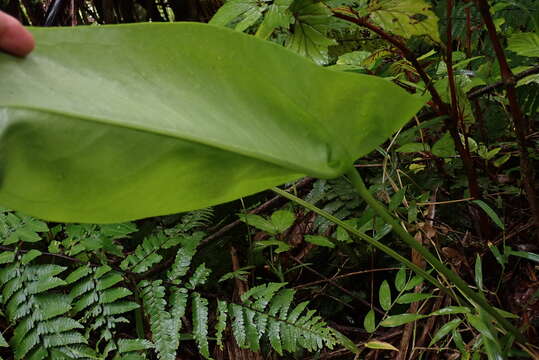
14	38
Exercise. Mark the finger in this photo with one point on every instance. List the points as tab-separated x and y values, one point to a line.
14	38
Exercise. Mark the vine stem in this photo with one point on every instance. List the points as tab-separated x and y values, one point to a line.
455	279
424	274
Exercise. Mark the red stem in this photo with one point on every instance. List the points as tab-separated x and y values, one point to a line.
520	123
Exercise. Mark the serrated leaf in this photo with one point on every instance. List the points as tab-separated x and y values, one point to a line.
405	17
200	324
281	245
282	220
380	345
29	256
278	15
7	257
319	240
128	345
259	222
222	311
309	37
384	294
243	13
199	277
525	44
401	319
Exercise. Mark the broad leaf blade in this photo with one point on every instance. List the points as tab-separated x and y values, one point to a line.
113	123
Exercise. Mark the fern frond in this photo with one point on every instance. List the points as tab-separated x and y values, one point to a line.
15	227
184	256
147	253
266	313
165	339
200	324
42	328
199	277
97	296
222	311
191	221
132	348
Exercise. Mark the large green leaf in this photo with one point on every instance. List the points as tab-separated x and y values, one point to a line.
112	123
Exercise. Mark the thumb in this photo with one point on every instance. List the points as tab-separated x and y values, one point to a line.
14	38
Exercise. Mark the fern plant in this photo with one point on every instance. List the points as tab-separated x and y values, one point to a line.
98	301
83	315
40	313
265	313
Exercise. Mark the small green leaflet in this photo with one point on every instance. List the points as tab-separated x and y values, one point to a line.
413	297
444	330
319	240
369	323
281	245
400	279
401	319
278	223
445	147
380	345
258	222
385	295
7	257
451	310
29	256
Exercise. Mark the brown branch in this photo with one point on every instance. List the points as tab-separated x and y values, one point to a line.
521	130
502	83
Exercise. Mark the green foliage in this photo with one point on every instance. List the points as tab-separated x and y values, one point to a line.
98	300
263	116
194	145
406	18
525	44
39	313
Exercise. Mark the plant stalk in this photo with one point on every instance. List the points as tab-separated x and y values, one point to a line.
419	271
456	280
